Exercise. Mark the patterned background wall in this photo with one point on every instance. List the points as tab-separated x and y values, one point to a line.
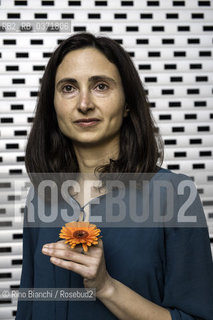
171	45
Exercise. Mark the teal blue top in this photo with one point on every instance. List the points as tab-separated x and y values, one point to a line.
168	265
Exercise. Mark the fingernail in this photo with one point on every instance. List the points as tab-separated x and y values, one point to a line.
48	245
54	259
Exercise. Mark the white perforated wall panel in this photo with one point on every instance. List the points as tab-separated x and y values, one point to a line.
171	45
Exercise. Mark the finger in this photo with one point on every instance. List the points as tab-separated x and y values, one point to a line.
68	255
94	250
62	245
70	265
58	244
100	243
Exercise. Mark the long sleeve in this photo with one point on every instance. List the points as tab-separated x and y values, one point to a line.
24	308
188	292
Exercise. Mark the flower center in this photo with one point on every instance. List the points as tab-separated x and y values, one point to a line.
80	234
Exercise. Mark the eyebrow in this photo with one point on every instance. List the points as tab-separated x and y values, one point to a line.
91	79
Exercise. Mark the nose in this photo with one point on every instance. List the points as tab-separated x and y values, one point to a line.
85	103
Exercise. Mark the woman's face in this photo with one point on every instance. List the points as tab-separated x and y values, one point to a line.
89	98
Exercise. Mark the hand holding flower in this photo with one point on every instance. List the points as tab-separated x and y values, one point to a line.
91	265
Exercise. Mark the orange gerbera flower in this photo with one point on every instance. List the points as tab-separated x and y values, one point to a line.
82	233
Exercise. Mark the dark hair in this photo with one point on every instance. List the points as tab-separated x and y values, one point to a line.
49	150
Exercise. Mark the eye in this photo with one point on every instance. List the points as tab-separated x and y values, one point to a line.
68	88
102	86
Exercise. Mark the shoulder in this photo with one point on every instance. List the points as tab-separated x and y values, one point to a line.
170	175
179	195
174	181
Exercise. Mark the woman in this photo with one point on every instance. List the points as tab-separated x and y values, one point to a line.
93	117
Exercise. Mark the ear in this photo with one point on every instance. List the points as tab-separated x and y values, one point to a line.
126	111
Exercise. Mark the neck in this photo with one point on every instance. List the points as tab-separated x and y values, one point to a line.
90	157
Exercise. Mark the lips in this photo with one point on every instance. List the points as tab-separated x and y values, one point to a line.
87	122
